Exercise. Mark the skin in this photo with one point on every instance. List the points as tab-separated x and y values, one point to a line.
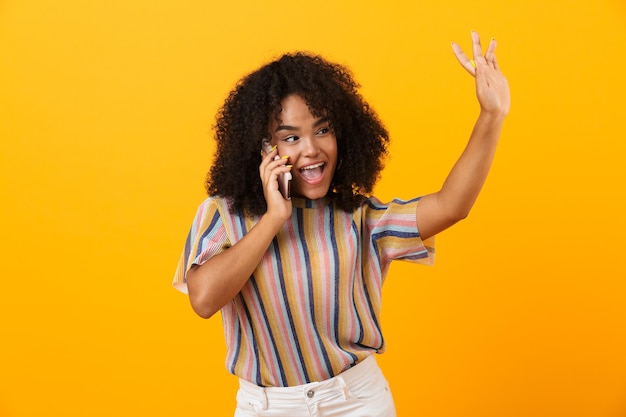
438	211
305	141
302	139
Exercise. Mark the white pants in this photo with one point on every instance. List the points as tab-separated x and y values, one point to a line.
361	391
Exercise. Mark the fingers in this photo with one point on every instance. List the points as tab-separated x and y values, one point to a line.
272	160
463	59
270	169
490	55
272	165
477	49
489	58
269	155
266	151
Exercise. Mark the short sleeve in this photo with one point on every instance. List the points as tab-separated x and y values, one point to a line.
393	232
207	237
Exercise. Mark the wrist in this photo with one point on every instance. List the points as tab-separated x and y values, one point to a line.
492	116
272	221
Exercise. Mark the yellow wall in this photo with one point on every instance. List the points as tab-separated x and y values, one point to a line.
105	115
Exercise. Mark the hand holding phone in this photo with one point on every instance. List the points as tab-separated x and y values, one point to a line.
284	179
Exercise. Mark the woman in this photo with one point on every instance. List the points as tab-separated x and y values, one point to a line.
298	277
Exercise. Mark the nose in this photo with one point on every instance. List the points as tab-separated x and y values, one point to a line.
311	147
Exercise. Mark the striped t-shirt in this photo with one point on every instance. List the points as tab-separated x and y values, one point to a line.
311	309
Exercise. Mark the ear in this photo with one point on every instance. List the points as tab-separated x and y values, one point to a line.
266	144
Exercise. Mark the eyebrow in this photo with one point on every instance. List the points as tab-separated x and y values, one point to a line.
319	121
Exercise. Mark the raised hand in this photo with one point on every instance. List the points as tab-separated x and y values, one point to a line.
492	88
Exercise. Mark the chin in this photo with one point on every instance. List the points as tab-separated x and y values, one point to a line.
311	194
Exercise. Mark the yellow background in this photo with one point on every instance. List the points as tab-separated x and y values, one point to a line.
106	110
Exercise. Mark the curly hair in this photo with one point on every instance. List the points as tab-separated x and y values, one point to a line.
328	89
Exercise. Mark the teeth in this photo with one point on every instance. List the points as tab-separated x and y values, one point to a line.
314	166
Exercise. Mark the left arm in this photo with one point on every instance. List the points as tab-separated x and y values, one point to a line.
453	202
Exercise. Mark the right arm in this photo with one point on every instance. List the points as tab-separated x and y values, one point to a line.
214	283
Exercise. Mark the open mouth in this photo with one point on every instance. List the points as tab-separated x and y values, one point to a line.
313	173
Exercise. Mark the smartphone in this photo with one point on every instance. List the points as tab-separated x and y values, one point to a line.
284	180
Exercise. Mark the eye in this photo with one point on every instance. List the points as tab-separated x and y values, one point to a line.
323	131
291	138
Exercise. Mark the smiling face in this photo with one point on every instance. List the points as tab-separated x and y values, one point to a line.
309	143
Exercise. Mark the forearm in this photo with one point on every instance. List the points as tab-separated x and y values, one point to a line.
465	180
438	211
215	282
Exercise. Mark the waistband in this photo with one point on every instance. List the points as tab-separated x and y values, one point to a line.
343	381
